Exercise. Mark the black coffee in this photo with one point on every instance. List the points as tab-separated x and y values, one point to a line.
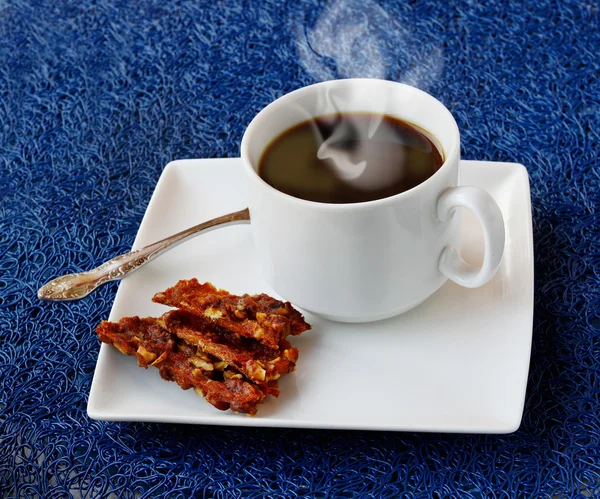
349	158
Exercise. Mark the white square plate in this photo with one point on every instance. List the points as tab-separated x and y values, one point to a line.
457	363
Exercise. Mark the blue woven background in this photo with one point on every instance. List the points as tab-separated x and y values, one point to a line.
96	98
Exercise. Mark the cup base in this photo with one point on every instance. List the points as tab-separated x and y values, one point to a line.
363	319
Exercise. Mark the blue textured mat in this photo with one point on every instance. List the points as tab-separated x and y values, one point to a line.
95	98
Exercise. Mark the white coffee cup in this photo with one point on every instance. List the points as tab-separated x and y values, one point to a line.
366	261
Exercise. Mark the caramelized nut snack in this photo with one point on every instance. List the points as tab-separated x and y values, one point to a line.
178	361
229	349
260	317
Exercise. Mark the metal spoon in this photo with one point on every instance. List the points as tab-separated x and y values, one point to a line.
75	286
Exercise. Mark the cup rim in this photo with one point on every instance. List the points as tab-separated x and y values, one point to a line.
255	177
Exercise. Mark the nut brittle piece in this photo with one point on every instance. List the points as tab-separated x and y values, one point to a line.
256	361
260	317
155	346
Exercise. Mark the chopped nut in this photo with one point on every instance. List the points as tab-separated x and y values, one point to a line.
232	375
213	313
241	307
148	356
290	355
263	320
282	311
201	363
163	356
199	391
241	315
221	365
256	370
259	332
201	354
121	348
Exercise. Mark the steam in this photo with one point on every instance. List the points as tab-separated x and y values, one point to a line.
342	43
359	39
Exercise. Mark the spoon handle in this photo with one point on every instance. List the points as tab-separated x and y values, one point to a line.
75	286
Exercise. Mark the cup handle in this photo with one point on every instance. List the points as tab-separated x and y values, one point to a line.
451	264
